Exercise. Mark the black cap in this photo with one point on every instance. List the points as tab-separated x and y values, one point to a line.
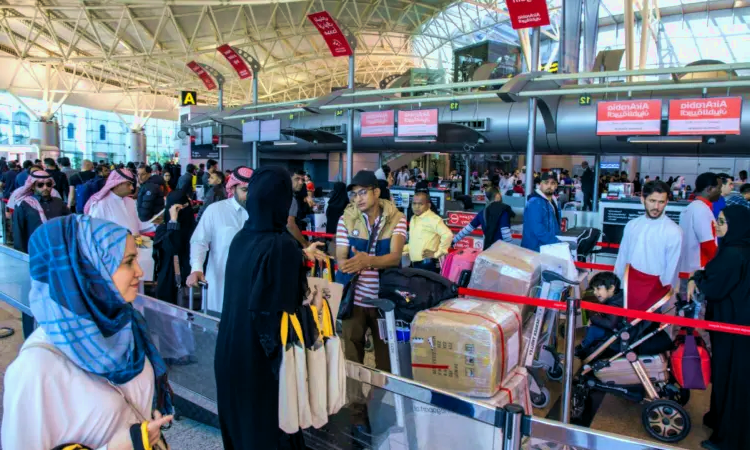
548	176
364	178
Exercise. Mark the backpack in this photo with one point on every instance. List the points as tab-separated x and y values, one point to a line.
414	290
84	192
587	240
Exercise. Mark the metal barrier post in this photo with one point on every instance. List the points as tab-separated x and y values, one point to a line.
570	336
3	237
512	430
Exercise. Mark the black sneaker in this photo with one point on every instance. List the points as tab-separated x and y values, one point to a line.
581	352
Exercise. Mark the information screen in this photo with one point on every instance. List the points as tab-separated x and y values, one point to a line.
250	131
270	130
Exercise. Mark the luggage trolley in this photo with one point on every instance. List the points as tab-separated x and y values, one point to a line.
541	350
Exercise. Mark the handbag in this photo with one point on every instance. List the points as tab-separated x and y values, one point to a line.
347	299
335	363
161	444
300	375
317	386
288	414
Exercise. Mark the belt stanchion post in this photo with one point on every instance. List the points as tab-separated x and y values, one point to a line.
570	335
512	430
3	232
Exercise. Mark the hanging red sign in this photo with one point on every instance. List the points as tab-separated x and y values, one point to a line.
527	13
327	27
705	116
460	219
238	64
376	124
628	118
419	122
208	81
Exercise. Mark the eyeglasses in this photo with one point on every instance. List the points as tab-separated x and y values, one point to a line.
360	193
42	184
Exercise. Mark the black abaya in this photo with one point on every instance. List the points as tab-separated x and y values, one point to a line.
173	239
726	286
264	277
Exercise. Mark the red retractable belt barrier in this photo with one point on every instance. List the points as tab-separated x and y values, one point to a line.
315	234
622	312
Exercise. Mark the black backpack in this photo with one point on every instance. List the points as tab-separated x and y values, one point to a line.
414	290
587	240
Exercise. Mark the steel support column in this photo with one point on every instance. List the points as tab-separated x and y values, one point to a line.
531	137
629	24
590	33
221	127
645	31
570	36
597	163
467	175
254	164
350	127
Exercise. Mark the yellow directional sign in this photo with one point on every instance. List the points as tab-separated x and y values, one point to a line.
188	98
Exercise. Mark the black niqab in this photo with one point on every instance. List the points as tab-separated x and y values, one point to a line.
738	229
336	206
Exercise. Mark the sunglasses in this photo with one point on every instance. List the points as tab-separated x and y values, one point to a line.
42	184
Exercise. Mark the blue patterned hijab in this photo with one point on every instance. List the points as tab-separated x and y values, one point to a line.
73	298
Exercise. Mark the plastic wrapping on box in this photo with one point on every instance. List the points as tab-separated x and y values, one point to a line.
466	346
438	429
511	269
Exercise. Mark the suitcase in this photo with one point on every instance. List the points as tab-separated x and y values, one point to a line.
455	263
621	372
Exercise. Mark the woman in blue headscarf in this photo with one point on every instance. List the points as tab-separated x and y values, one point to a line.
90	373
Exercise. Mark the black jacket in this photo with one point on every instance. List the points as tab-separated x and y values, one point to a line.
62	184
26	220
609	321
213	194
150	198
587	181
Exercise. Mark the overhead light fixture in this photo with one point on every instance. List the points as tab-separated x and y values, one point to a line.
222	146
284	143
665	140
423	140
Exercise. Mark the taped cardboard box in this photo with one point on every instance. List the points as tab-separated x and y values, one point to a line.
511	269
438	429
466	346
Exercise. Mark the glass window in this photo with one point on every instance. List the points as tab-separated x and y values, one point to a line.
21	128
70	131
102	133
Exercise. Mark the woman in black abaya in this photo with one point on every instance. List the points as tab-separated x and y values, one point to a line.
265	276
726	286
173	240
336	205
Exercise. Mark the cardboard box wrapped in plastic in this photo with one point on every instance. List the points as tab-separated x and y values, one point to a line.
511	269
438	429
466	346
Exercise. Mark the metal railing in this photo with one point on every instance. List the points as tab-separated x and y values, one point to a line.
510	419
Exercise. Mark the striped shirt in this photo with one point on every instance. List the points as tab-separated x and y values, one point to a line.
368	284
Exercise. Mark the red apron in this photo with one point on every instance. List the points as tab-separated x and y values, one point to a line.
642	290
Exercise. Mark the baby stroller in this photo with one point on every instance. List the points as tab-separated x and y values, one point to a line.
633	364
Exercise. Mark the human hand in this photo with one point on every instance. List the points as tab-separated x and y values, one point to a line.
174	211
121	440
692	289
194	278
314	253
357	263
428	254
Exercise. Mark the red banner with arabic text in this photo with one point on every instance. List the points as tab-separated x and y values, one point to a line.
528	13
208	81
335	39
236	61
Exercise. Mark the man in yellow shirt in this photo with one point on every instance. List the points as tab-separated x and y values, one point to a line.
429	237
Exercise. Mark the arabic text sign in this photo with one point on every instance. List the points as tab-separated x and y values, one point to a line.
628	118
460	219
376	124
705	116
421	122
202	74
238	64
527	13
331	32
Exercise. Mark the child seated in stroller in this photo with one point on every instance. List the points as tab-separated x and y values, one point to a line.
606	287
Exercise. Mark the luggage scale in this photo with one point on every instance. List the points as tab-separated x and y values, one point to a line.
541	351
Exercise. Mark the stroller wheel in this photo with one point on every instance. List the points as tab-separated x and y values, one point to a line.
555	373
540	400
679	395
666	420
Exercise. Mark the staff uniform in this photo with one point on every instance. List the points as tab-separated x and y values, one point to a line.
699	244
651	248
427	232
215	231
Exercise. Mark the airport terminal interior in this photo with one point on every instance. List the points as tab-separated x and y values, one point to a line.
374	224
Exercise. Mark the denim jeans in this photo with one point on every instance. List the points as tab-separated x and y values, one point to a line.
593	334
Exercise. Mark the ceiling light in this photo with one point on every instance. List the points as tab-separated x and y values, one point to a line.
665	140
284	143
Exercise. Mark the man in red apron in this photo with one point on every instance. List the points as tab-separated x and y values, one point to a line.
650	251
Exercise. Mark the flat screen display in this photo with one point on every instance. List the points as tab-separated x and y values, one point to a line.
250	131
270	130
208	134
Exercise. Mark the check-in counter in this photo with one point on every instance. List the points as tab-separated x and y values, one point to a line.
402	198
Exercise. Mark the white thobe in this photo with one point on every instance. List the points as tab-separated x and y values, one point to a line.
122	211
218	225
49	401
651	246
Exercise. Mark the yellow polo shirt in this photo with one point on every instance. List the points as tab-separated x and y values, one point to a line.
427	232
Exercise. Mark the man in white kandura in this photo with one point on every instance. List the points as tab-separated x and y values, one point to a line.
114	203
649	251
215	231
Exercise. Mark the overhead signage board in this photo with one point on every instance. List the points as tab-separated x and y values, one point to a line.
236	61
376	124
204	153
527	13
335	39
270	130
420	122
251	131
699	116
628	118
459	219
205	77
208	135
188	98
